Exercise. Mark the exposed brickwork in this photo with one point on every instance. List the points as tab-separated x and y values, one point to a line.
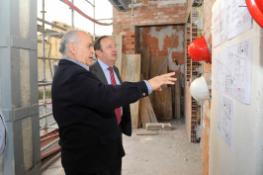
129	43
159	45
170	41
178	57
152	14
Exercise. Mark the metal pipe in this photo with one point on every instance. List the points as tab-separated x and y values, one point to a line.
43	40
45	116
42	84
104	19
93	5
45	164
50	144
72	15
51	24
49	58
84	14
42	104
54	149
94	25
44	54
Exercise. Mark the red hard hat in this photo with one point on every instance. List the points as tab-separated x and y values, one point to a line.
255	7
198	50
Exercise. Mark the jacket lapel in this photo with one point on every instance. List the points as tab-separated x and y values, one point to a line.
99	73
117	73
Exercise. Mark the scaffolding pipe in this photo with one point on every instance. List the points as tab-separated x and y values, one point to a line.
44	56
72	15
104	19
93	5
43	40
51	24
83	14
94	25
49	58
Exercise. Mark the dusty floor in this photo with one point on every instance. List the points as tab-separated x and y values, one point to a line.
166	153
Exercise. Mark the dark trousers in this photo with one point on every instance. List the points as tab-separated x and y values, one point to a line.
100	173
116	171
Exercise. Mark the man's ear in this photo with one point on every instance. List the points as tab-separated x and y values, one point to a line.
98	53
71	48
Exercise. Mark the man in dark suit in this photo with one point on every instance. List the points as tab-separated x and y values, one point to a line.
82	107
106	53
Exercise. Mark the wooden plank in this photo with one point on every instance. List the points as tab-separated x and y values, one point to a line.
161	100
162	104
146	60
188	110
178	97
118	41
147	114
131	68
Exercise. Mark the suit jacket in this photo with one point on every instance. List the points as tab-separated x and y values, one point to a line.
82	107
125	124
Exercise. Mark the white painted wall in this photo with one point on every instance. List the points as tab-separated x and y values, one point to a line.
241	151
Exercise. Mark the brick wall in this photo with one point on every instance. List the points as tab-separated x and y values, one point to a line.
159	47
152	14
128	46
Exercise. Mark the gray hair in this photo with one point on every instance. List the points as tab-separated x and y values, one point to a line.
70	36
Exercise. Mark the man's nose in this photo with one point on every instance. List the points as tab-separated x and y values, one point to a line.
92	50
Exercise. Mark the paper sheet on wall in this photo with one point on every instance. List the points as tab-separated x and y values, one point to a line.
232	71
240	19
230	18
219	24
239	81
225	118
219	72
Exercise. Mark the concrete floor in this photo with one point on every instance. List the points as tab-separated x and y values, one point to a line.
165	153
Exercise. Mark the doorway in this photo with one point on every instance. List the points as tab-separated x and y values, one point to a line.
162	51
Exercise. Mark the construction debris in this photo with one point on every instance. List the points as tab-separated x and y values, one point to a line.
144	132
158	126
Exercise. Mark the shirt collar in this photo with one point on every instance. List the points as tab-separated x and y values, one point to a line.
77	62
103	65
